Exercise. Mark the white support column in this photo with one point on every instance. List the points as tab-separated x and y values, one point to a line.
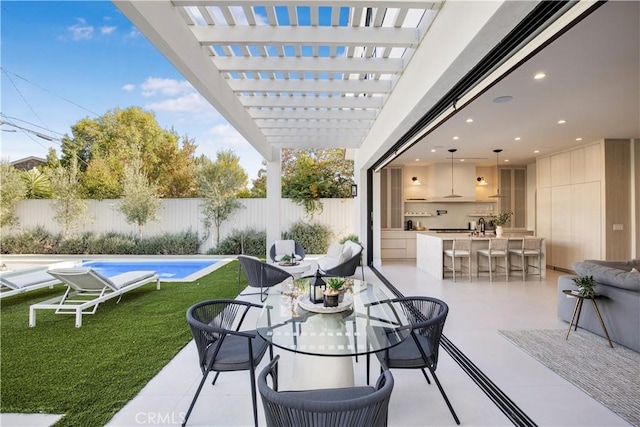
274	197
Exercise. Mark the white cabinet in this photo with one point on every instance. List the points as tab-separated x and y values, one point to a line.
561	169
543	172
398	244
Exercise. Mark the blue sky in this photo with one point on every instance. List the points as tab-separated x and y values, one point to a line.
63	61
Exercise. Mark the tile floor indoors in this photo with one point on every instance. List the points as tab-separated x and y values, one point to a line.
477	310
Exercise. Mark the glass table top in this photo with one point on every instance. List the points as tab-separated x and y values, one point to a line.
367	321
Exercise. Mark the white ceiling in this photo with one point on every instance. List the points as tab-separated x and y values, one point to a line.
311	74
592	81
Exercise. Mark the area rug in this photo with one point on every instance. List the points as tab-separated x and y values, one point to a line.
609	375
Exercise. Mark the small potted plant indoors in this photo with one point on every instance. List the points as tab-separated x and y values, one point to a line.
332	292
500	220
586	285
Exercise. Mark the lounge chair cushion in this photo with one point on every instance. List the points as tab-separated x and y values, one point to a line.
20	280
88	278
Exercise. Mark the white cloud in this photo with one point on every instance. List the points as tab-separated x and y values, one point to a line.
226	134
128	87
81	31
134	33
167	87
107	30
192	103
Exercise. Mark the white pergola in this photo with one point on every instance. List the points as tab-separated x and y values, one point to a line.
349	74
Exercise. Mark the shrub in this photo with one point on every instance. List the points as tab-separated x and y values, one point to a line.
185	243
76	245
112	244
31	241
314	238
352	237
249	242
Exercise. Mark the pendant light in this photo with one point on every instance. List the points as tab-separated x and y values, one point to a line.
497	195
452	195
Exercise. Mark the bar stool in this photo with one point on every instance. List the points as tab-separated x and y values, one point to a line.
531	247
497	249
461	248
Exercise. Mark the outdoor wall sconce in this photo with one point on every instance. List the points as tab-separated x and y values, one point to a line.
481	181
354	190
416	181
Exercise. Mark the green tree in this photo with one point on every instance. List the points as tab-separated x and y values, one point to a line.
218	184
68	206
311	175
105	144
140	202
13	190
259	185
36	183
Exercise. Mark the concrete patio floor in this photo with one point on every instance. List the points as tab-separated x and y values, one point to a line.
477	311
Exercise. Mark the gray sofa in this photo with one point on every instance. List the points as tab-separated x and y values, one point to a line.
619	285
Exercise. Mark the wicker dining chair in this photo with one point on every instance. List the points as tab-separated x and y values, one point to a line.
362	406
222	345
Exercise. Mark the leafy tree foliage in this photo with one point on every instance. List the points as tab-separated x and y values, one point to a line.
37	184
13	190
218	184
68	207
140	202
259	185
105	144
310	175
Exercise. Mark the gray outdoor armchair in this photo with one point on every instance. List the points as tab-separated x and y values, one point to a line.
286	247
222	345
350	406
420	350
261	275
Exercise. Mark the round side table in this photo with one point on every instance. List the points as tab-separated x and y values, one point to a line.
578	309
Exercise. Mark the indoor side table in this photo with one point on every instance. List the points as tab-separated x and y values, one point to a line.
578	309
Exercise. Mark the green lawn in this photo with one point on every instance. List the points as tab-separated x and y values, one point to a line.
90	373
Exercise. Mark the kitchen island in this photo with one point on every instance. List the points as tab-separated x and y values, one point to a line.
430	247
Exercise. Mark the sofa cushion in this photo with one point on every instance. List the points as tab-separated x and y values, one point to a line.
355	247
334	251
606	275
622	265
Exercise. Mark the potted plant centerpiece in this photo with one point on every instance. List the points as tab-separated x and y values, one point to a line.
500	220
287	260
332	292
586	285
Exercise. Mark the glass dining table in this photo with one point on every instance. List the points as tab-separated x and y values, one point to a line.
366	321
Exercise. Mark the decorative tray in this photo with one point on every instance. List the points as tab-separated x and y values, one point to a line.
305	303
288	263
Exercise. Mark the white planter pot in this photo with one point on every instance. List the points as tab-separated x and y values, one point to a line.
499	231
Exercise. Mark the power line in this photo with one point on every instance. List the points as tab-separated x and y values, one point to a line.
29	123
7	72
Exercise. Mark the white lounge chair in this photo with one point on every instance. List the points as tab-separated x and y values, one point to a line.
20	281
86	289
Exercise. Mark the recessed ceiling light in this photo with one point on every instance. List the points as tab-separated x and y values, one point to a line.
469	120
417	160
462	160
578	139
517	138
540	76
433	150
455	138
562	121
506	160
502	99
536	151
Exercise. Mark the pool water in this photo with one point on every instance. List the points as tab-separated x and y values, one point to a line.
168	269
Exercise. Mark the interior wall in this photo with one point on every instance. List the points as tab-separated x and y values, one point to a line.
531	197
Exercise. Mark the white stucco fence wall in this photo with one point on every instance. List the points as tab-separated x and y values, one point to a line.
177	215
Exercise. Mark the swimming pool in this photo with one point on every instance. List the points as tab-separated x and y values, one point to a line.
169	270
